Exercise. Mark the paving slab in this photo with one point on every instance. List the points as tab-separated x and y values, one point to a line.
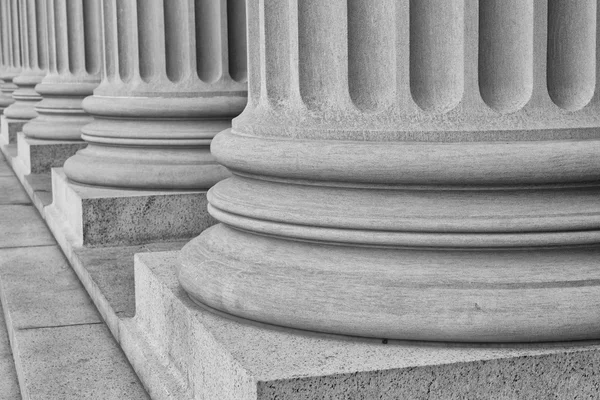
40	289
11	191
74	362
21	226
9	385
5	169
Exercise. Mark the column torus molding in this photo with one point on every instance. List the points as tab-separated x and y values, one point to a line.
417	169
34	52
75	61
175	76
10	53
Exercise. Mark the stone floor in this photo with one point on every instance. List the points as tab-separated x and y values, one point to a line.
59	347
10	194
9	386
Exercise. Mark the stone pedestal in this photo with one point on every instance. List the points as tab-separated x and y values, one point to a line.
39	156
412	171
74	32
180	350
9	129
32	20
100	216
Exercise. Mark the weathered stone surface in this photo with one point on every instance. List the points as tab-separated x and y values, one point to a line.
220	356
9	386
74	362
11	191
5	169
39	156
9	128
159	108
439	183
40	289
98	216
20	226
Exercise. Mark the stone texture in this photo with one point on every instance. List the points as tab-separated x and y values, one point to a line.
60	345
9	128
39	156
40	289
5	170
439	183
9	386
159	107
111	271
221	356
98	216
11	191
21	226
75	362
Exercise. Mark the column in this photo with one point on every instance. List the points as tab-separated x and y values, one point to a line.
10	55
175	76
34	51
415	170
74	42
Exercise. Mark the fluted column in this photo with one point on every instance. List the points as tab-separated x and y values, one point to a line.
414	170
10	54
74	32
175	76
34	51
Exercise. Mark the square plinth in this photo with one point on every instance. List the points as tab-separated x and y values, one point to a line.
39	156
199	353
9	128
96	216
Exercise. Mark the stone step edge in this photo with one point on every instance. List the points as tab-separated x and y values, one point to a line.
99	301
164	381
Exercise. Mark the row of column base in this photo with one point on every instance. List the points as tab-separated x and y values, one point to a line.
182	350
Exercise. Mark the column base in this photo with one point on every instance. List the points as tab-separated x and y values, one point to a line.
94	216
220	356
39	156
9	128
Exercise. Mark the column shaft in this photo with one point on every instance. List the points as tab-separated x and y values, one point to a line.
10	54
175	76
74	32
34	51
412	170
